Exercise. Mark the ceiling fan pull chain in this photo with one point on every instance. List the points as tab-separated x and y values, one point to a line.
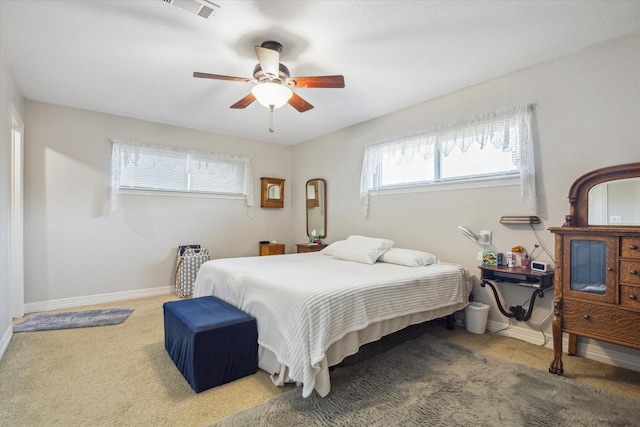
271	118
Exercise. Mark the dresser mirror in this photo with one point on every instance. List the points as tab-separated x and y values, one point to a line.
272	194
316	204
606	197
615	202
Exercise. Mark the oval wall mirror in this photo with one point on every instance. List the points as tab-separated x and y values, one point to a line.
316	200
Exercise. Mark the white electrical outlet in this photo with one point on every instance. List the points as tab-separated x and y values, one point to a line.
615	219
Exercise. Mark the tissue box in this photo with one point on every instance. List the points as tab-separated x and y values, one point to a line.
490	258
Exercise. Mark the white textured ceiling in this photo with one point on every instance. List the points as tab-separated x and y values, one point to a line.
137	58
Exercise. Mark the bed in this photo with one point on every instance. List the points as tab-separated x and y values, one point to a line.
313	310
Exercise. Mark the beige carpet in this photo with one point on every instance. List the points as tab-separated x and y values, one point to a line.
121	375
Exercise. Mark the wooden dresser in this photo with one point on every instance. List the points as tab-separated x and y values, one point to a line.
271	249
302	248
597	281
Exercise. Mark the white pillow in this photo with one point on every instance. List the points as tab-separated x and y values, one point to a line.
408	257
362	249
329	250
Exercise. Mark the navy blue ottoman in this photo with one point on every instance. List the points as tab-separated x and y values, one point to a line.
210	341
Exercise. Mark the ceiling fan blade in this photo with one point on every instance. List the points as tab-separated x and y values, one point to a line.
269	60
220	77
318	81
299	104
244	102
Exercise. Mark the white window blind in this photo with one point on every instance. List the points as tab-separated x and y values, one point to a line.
492	145
138	166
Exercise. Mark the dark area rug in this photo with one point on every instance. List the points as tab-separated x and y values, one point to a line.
427	381
72	319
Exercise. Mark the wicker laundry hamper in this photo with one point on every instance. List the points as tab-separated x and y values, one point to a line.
190	258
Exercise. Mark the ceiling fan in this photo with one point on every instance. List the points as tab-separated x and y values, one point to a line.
273	82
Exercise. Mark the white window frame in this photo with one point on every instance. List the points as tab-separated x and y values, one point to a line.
509	130
126	154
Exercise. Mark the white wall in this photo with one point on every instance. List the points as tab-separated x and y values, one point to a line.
74	251
9	98
587	116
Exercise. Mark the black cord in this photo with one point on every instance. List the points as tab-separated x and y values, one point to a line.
542	244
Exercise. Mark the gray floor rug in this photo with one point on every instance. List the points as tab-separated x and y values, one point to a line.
430	382
72	319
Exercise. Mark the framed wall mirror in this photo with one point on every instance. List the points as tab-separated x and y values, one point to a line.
316	204
272	194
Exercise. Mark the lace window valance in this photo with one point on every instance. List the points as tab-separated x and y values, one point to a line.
508	130
148	167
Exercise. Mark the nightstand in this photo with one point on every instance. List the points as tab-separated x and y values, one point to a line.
303	248
516	276
271	249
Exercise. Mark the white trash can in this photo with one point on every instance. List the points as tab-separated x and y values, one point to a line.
475	317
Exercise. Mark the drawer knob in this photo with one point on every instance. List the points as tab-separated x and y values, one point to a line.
633	297
633	247
609	269
634	272
586	317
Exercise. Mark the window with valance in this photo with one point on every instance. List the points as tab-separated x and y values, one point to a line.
136	166
491	146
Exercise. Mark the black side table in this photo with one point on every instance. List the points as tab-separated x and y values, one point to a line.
539	281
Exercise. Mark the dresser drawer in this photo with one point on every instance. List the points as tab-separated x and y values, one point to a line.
608	323
630	247
630	272
303	248
630	298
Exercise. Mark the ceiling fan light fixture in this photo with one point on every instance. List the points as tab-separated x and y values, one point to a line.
272	95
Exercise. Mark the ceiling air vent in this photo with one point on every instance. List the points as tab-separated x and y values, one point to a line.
202	8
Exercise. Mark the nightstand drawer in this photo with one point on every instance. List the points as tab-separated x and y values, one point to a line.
272	249
608	323
302	248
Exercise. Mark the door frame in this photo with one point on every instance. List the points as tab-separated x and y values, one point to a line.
16	255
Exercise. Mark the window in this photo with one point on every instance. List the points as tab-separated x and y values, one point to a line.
137	166
491	146
476	162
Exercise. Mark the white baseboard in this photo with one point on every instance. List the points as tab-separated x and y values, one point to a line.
524	334
81	301
95	299
609	356
5	340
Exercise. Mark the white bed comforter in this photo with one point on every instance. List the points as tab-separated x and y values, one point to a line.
303	303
